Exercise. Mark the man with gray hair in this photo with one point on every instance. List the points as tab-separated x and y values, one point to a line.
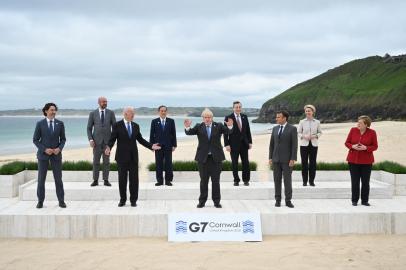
209	154
99	127
127	133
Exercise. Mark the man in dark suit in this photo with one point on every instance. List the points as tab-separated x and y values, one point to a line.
238	143
99	127
282	156
127	133
163	132
49	138
209	154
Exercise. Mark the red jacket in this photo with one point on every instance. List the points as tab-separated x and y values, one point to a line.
368	139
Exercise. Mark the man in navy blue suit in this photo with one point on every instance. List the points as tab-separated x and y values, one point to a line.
49	138
163	132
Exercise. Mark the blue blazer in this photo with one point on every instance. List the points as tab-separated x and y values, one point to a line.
166	137
43	138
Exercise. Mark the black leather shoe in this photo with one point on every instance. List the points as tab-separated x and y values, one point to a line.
107	183
134	204
158	184
168	184
365	204
200	205
304	184
290	204
121	204
217	205
236	184
246	183
354	203
40	205
62	204
95	183
277	204
312	184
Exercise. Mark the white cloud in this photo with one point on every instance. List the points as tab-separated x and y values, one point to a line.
207	51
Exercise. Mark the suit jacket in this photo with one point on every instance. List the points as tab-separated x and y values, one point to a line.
237	137
98	132
43	138
127	150
165	137
207	145
284	148
307	127
369	139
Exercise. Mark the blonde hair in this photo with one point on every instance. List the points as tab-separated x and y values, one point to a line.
366	119
311	107
207	112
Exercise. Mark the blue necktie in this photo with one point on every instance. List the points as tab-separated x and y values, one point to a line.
129	129
208	129
280	131
163	124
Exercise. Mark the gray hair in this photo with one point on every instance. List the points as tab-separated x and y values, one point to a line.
128	108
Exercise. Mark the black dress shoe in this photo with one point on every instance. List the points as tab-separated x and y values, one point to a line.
218	205
95	183
354	203
365	204
107	183
168	184
158	184
290	204
246	183
62	204
304	184
40	205
134	204
200	205
312	184
277	204
121	204
236	184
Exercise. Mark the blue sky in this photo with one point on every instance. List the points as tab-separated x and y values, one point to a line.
182	53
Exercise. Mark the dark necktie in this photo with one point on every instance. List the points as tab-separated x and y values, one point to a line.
51	126
280	131
102	117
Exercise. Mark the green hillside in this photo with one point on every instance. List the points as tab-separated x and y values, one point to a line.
375	86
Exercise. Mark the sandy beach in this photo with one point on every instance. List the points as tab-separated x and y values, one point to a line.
281	252
275	252
331	149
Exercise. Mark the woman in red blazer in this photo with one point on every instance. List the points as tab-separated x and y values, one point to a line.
361	142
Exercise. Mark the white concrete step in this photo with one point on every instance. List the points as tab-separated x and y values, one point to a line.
226	176
101	219
81	191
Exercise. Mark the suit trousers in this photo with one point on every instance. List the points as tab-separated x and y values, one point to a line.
128	172
282	169
360	172
209	169
163	161
308	155
56	165
98	152
242	152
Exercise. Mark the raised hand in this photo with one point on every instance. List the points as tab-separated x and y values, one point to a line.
187	123
230	122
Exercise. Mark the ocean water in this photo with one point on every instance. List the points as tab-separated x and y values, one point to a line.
16	131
